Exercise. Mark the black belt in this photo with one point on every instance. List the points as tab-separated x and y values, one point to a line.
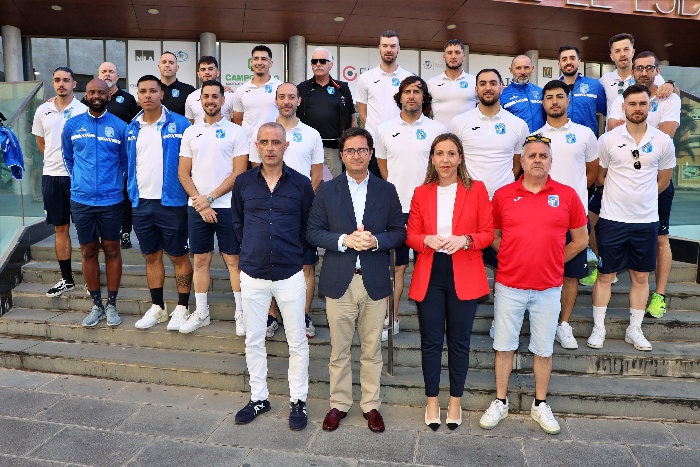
358	272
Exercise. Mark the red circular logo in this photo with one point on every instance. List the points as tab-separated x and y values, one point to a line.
349	73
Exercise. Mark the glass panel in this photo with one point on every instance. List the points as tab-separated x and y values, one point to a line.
116	53
86	56
47	55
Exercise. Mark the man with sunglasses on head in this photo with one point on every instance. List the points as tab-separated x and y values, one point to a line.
636	163
326	106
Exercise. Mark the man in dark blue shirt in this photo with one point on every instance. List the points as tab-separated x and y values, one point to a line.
270	207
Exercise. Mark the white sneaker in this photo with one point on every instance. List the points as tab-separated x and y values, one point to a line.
493	328
153	316
565	336
240	327
496	412
597	337
178	317
195	321
542	414
634	336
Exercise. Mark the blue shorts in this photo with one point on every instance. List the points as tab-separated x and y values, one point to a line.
626	246
97	222
310	256
202	233
56	193
402	253
160	227
509	305
594	202
577	267
665	203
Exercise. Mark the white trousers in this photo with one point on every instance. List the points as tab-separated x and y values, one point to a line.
291	298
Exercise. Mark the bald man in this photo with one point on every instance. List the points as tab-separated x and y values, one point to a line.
522	98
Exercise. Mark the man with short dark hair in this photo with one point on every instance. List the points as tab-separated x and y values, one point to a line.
454	90
586	95
207	69
521	97
175	92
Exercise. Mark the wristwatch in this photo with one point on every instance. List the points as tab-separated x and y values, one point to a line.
469	242
210	200
671	82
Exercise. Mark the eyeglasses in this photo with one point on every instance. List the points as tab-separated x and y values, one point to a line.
637	164
648	68
353	151
322	61
537	137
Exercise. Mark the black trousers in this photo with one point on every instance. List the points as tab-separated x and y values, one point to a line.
442	313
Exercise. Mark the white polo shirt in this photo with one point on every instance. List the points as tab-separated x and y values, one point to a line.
376	88
573	145
212	149
195	111
631	195
256	103
490	144
149	158
305	149
406	148
611	83
452	97
48	124
660	110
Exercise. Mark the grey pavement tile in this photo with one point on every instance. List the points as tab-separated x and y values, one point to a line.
84	386
686	433
450	450
517	426
158	394
258	458
18	437
357	442
7	461
265	432
23	379
25	403
168	453
573	454
620	431
366	463
175	422
92	447
94	413
220	401
653	456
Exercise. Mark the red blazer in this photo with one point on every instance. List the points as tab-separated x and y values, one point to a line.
472	216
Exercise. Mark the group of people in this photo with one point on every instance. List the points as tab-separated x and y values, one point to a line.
460	169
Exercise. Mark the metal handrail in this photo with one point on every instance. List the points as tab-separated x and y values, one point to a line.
390	342
25	104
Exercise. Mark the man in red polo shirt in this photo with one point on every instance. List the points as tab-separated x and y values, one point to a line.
531	216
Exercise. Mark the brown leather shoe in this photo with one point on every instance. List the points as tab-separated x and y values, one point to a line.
375	422
332	420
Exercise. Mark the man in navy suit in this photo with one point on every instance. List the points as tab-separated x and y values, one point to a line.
357	219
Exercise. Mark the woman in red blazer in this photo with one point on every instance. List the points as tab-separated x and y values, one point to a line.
449	223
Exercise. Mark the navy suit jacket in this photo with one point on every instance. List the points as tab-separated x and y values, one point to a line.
332	215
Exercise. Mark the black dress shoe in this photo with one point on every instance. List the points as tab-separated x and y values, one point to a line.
332	420
375	422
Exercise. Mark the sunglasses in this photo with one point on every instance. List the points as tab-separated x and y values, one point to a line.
322	61
637	164
537	137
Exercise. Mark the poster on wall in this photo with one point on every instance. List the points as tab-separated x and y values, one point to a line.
142	59
309	52
186	53
432	63
236	60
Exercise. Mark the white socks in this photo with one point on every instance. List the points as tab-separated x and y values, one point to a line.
636	317
201	301
239	302
598	315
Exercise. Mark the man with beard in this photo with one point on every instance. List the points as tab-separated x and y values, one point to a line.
175	92
453	91
207	69
254	100
634	158
376	88
94	152
586	95
212	154
522	98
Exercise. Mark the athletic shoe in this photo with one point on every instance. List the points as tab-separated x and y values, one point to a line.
565	336
126	240
385	331
153	316
635	336
590	256
113	318
590	279
272	326
595	341
496	412
542	414
656	308
297	415
252	409
310	329
492	331
195	321
240	327
96	315
178	317
60	287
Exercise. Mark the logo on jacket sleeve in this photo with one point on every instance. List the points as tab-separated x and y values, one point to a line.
220	134
395	81
464	84
583	88
420	134
330	90
119	99
296	136
654	106
172	128
553	200
500	128
570	138
109	132
175	93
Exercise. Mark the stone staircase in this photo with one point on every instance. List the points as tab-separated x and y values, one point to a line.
45	334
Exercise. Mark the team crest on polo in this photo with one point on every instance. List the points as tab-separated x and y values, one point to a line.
654	106
159	126
296	136
395	81
175	93
268	89
584	88
109	132
632	81
647	148
420	134
67	114
119	99
330	90
220	134
172	128
464	84
500	128
553	200
570	138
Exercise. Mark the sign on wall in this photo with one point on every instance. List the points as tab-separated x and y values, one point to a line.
236	60
186	53
142	59
432	63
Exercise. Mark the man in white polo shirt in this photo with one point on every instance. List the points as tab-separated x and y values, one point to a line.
453	91
574	163
636	163
374	94
212	154
207	68
49	120
254	100
305	155
402	150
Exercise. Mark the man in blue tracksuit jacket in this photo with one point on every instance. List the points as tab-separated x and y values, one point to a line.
159	202
94	153
586	95
522	98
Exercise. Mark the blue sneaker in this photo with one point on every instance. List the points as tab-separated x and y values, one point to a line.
297	415
254	408
113	318
96	315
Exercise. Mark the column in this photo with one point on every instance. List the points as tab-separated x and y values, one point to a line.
207	45
296	56
534	56
465	65
12	53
